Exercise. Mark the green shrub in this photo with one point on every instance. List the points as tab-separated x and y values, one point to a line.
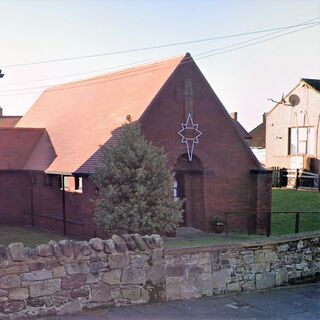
135	187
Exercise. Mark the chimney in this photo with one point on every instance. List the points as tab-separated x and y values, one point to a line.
234	116
264	118
1	112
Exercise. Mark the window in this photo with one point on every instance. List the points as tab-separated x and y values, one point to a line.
78	184
311	141
48	180
64	181
178	192
302	141
175	190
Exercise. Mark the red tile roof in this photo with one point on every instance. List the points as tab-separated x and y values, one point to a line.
81	116
42	155
9	121
16	146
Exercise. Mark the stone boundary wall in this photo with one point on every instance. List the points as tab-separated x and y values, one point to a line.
67	276
192	273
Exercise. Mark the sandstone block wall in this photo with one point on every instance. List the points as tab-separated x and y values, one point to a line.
219	270
66	276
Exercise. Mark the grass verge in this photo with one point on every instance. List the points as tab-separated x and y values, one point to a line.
284	223
29	236
295	201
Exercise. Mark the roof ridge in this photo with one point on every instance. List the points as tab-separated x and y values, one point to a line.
10	116
21	128
101	104
137	67
314	83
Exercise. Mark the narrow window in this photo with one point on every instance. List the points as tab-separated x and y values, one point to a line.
178	192
64	181
78	184
175	190
311	141
293	141
303	138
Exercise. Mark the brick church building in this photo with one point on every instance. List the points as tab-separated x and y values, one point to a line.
47	158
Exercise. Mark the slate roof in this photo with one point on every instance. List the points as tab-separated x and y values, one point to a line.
81	116
314	83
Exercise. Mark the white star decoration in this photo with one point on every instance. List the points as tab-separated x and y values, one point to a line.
190	135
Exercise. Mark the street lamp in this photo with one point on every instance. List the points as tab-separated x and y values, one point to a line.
1	74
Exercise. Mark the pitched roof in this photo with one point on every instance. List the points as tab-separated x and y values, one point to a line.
258	136
9	121
16	146
243	132
81	116
42	154
314	83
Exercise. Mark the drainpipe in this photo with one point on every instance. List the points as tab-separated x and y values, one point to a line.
31	204
317	136
63	206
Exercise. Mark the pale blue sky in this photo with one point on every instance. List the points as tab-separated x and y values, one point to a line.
243	79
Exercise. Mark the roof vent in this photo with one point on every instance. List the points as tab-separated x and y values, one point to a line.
234	115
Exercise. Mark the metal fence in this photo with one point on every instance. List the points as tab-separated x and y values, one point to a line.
272	223
295	178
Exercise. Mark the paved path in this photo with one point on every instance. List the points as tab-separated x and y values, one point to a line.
301	302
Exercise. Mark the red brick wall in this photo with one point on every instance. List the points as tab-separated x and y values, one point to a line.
224	184
227	182
264	195
47	203
48	207
14	198
18	196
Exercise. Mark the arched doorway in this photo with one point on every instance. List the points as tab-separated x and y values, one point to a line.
189	186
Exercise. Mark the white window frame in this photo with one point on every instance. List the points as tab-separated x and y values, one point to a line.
300	139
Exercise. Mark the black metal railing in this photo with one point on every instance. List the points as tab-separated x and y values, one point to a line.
295	178
265	222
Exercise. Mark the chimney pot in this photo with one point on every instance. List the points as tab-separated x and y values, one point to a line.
234	115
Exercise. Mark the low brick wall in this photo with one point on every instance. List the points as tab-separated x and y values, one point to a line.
67	276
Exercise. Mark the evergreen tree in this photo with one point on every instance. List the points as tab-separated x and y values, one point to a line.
135	187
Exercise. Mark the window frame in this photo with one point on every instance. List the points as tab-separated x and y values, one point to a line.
78	184
306	141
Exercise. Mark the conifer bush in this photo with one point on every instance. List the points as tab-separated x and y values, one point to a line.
135	187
